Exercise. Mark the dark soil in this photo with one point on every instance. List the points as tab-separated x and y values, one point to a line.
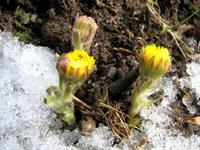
124	27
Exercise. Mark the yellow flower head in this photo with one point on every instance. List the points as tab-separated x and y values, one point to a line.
76	65
154	61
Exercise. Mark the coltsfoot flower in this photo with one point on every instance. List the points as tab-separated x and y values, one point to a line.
83	32
154	61
76	65
73	69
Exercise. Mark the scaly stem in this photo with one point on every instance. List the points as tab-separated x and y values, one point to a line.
66	109
76	40
62	99
143	88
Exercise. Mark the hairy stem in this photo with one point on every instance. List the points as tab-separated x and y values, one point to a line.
143	89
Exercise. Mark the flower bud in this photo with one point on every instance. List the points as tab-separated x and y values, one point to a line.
76	65
154	61
83	32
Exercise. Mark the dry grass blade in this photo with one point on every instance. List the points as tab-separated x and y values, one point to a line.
116	119
167	28
113	115
120	49
194	120
81	102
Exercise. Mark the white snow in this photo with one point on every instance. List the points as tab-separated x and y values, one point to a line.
158	125
193	69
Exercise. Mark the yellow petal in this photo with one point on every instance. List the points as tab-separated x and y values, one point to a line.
154	60
79	64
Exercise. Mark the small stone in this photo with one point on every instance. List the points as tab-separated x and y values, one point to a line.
112	72
87	125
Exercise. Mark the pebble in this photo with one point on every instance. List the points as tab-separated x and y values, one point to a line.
112	72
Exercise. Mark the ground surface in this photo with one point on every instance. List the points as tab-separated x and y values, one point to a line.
124	27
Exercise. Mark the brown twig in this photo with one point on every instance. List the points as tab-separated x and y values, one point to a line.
81	102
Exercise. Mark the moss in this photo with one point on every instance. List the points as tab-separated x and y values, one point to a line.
24	36
22	17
